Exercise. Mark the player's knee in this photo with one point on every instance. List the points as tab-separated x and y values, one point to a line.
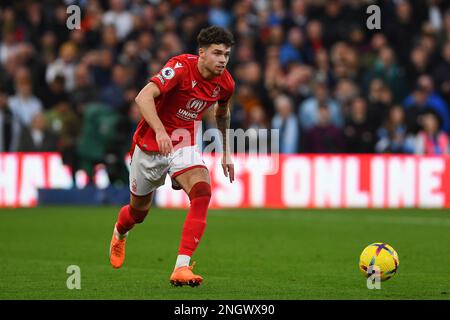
138	215
141	203
201	189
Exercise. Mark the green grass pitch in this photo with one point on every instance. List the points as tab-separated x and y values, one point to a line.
244	254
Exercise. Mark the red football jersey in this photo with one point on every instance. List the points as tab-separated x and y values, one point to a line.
185	95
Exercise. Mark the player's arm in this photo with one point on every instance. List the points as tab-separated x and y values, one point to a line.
222	114
146	103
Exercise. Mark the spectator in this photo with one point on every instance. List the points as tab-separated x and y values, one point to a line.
435	15
376	107
65	124
24	104
113	94
291	49
401	30
377	42
358	129
417	109
10	126
84	90
420	65
286	122
37	138
134	117
48	46
278	14
101	64
64	65
445	32
27	57
315	42
324	137
346	90
323	71
393	137
58	23
273	74
218	15
244	53
432	100
431	140
110	41
98	133
442	73
258	131
55	92
247	98
298	16
119	17
335	22
309	109
345	60
8	45
387	69
297	82
380	100
133	60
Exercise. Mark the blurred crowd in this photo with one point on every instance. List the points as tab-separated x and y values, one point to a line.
311	69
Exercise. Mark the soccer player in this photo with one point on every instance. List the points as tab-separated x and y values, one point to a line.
164	143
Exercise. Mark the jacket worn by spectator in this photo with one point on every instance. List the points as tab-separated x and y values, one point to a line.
10	129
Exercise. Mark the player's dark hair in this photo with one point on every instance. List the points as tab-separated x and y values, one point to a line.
215	35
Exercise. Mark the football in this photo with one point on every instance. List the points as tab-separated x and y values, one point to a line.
379	255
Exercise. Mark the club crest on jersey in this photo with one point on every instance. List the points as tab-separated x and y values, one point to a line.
216	92
168	73
196	105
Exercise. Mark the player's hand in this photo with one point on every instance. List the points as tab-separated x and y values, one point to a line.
164	143
228	167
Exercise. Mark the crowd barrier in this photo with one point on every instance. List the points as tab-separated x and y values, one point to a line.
277	181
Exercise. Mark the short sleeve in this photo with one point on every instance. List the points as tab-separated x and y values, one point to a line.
170	75
225	97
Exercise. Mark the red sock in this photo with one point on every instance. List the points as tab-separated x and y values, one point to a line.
128	217
195	223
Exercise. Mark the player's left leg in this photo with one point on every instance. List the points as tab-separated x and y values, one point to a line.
196	183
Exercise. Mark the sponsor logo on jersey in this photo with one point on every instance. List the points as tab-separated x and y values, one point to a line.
196	105
178	65
186	115
168	73
194	83
192	109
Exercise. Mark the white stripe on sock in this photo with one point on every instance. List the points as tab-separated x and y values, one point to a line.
118	235
182	261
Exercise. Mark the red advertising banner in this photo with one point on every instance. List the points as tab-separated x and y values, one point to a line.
284	181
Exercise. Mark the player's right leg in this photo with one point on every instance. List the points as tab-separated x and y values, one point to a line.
147	173
129	215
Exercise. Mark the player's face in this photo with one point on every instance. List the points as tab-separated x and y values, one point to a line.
215	58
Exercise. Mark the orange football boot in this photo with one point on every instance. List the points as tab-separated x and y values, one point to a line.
184	276
117	251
